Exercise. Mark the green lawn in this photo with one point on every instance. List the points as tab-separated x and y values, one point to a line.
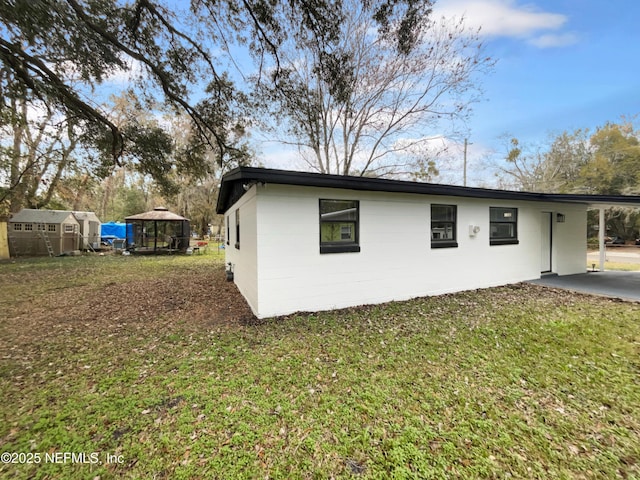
513	382
621	266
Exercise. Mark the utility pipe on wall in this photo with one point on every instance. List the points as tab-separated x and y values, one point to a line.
601	232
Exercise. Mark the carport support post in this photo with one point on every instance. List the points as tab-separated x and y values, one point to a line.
601	232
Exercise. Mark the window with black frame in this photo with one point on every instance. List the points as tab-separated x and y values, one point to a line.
503	226
443	226
339	226
237	245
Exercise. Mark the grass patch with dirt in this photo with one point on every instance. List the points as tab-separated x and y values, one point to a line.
159	363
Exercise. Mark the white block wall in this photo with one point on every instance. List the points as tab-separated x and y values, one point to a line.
245	258
279	268
570	240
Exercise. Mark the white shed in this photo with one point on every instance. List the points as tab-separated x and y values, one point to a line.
307	242
89	230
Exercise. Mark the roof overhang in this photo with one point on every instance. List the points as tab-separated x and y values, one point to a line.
236	182
597	201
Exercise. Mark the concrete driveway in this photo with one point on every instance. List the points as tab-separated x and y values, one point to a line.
625	285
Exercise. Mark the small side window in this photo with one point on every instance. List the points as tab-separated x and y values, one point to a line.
443	226
503	226
339	221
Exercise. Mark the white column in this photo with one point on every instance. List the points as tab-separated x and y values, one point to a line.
601	232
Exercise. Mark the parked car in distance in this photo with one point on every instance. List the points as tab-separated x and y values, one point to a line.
615	241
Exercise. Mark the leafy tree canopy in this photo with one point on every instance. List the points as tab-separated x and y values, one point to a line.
614	167
606	161
56	56
58	51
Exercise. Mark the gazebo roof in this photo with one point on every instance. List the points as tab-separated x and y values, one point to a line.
158	213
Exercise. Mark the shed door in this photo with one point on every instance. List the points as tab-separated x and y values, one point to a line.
545	242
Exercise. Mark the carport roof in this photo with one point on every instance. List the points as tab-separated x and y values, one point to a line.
234	185
598	200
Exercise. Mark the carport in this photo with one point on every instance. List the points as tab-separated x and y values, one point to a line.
616	284
602	228
600	203
624	285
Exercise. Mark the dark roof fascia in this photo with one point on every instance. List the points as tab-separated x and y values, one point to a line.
233	187
607	200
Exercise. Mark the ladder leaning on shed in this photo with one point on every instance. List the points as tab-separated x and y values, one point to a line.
45	236
14	245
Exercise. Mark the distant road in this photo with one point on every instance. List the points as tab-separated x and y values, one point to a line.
617	254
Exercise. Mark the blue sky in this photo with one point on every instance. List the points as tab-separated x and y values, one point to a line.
561	65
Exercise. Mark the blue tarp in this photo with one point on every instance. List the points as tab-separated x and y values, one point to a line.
111	230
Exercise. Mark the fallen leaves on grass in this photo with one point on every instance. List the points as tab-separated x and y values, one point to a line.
161	361
200	300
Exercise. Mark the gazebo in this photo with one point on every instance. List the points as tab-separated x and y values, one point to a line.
158	231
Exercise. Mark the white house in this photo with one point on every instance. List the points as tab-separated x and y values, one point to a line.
307	242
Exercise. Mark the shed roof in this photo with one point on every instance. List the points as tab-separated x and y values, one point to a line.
234	185
90	216
30	215
158	213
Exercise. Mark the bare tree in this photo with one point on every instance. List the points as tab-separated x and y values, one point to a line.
556	166
36	146
362	105
524	168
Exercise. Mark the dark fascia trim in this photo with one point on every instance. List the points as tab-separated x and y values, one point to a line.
233	182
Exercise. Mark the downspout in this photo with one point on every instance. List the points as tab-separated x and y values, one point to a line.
601	232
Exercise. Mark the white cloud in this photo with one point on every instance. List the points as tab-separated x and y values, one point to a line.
551	40
504	18
276	155
122	76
